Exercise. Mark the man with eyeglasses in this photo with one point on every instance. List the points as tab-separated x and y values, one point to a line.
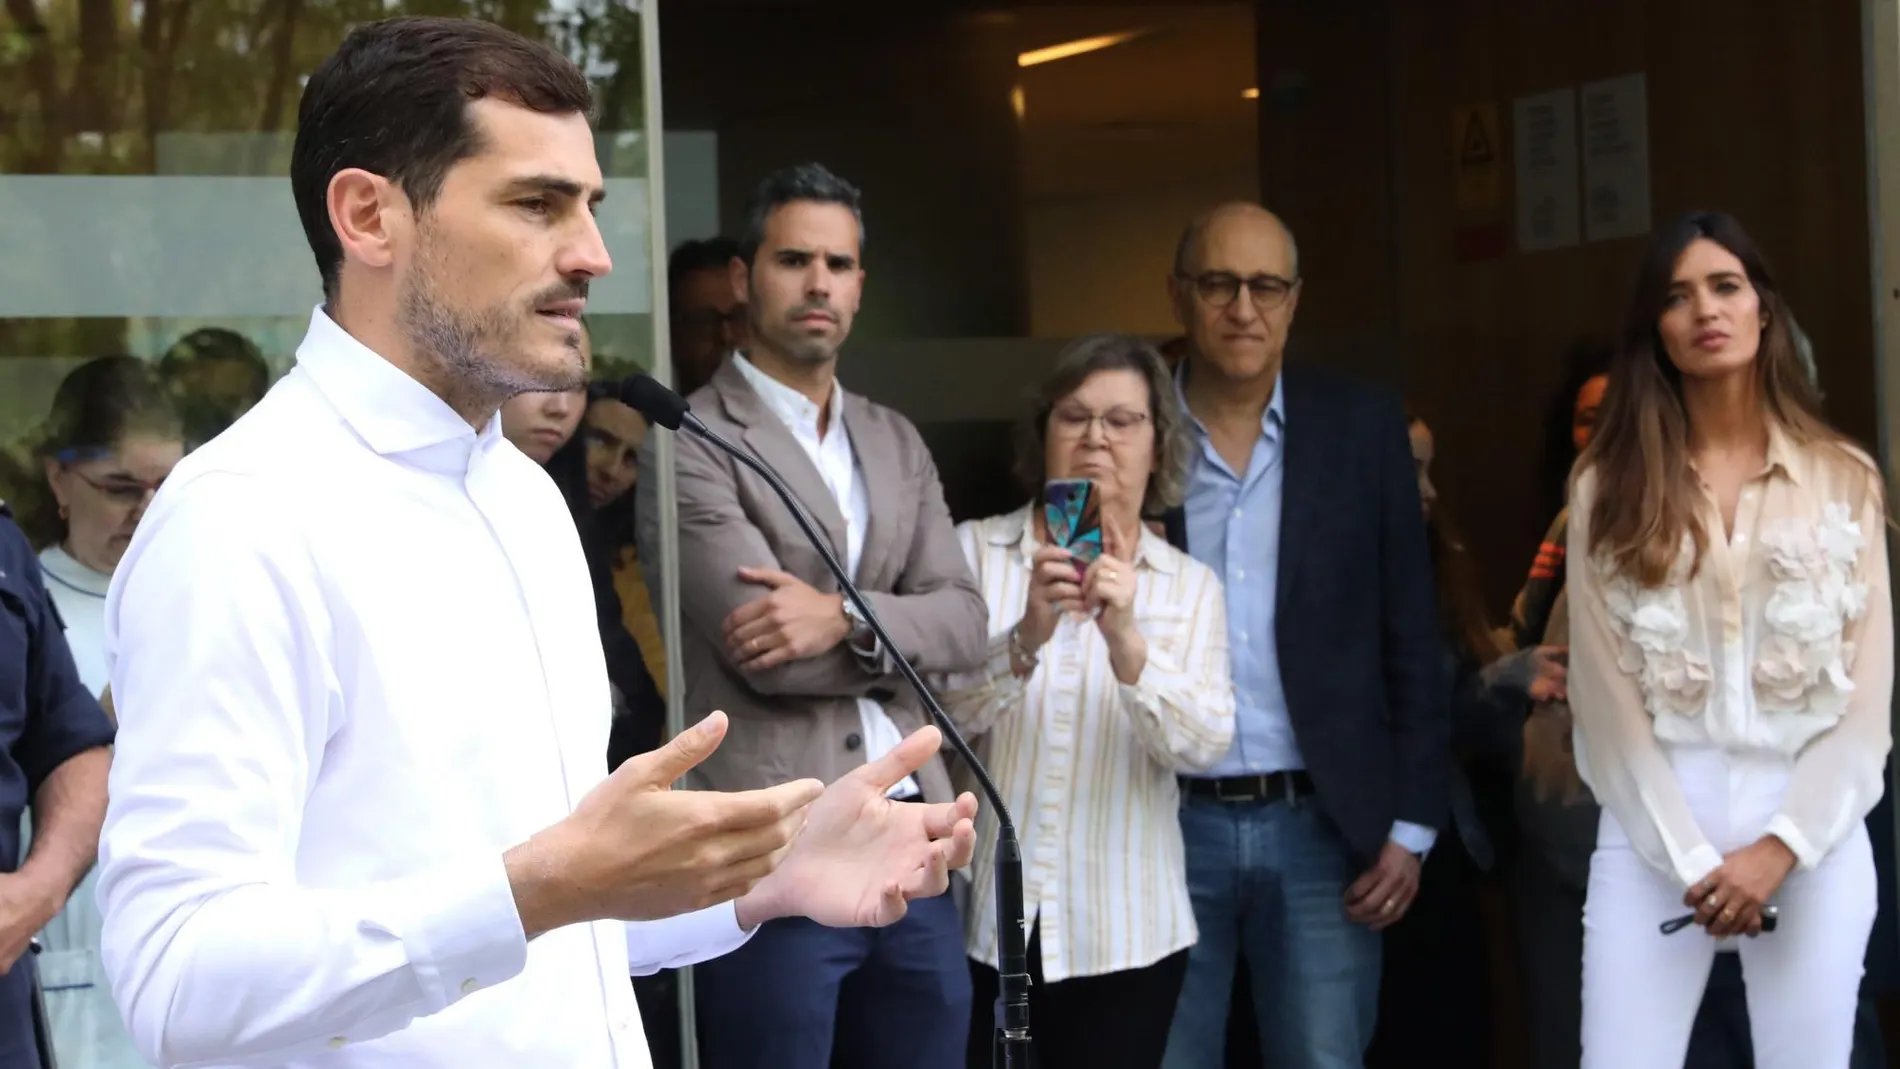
707	318
1305	842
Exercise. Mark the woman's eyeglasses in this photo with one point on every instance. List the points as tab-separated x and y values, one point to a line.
1117	423
122	490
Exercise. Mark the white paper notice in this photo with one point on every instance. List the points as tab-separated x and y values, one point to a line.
1549	215
1615	158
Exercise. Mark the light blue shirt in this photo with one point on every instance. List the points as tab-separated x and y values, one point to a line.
1233	527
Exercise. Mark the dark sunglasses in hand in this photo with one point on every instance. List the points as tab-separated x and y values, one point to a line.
1769	916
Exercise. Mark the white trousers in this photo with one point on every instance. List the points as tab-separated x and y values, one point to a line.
1641	988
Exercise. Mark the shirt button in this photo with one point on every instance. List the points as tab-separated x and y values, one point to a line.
1243	636
853	741
338	1041
1741	539
1236	514
1240	574
469	985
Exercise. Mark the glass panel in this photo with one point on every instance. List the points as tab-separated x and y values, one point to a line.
144	148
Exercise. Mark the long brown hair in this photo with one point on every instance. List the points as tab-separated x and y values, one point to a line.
1645	504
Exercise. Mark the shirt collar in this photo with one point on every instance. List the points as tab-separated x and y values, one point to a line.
1015	530
388	409
1272	421
63	567
1783	455
790	406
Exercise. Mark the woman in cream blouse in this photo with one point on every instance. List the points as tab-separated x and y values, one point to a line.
1102	683
1731	665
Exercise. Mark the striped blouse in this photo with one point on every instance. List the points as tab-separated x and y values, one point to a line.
1088	764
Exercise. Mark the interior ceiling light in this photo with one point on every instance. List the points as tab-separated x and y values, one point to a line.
1077	47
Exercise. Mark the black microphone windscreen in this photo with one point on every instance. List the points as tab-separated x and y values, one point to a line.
661	406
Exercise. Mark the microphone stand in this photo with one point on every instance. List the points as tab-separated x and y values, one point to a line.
1012	1037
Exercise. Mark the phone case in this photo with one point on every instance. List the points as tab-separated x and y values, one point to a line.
1073	512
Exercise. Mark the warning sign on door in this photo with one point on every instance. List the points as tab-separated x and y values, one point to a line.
1478	159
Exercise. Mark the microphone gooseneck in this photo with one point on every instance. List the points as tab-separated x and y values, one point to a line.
665	408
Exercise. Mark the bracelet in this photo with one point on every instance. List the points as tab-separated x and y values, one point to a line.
1019	653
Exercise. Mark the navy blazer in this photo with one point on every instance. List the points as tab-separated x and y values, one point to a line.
1356	617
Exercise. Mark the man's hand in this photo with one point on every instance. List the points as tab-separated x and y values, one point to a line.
792	623
1728	901
863	857
635	849
1380	898
25	908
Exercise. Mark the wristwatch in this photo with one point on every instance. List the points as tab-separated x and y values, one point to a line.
860	627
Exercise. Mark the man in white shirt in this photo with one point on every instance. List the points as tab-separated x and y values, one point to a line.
357	816
766	635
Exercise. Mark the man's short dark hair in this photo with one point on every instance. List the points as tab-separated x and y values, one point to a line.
712	254
393	99
806	181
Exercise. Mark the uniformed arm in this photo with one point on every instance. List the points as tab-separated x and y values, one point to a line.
217	951
62	748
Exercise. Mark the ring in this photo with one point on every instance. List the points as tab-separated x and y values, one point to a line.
1390	905
1709	901
1728	914
1108	574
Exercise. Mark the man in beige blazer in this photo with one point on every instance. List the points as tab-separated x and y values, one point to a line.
767	637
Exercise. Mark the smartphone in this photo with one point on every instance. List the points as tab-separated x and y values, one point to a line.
1073	510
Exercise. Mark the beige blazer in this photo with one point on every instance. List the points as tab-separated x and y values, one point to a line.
801	718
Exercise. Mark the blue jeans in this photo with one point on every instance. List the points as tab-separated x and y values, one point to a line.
1268	881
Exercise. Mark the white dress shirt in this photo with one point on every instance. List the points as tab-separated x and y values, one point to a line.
837	465
355	660
1088	763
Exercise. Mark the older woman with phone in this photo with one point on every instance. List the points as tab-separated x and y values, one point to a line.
1731	667
1107	676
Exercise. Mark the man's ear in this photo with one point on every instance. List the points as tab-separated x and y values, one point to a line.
367	211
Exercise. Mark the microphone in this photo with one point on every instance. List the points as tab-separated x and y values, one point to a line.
665	408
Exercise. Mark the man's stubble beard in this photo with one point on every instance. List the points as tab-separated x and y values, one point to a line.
466	348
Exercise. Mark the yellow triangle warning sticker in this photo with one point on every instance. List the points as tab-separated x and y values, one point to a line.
1475	146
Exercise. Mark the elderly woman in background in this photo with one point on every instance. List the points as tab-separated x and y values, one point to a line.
111	439
1104	681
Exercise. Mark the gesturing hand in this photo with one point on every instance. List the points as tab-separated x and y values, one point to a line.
1728	901
1380	898
792	623
863	857
636	849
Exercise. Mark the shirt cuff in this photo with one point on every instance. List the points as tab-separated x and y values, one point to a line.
1414	837
463	931
1806	856
684	940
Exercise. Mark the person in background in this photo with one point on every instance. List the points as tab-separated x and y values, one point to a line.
1305	841
708	319
611	435
112	437
540	423
54	752
1435	990
1731	669
766	636
215	375
1105	680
